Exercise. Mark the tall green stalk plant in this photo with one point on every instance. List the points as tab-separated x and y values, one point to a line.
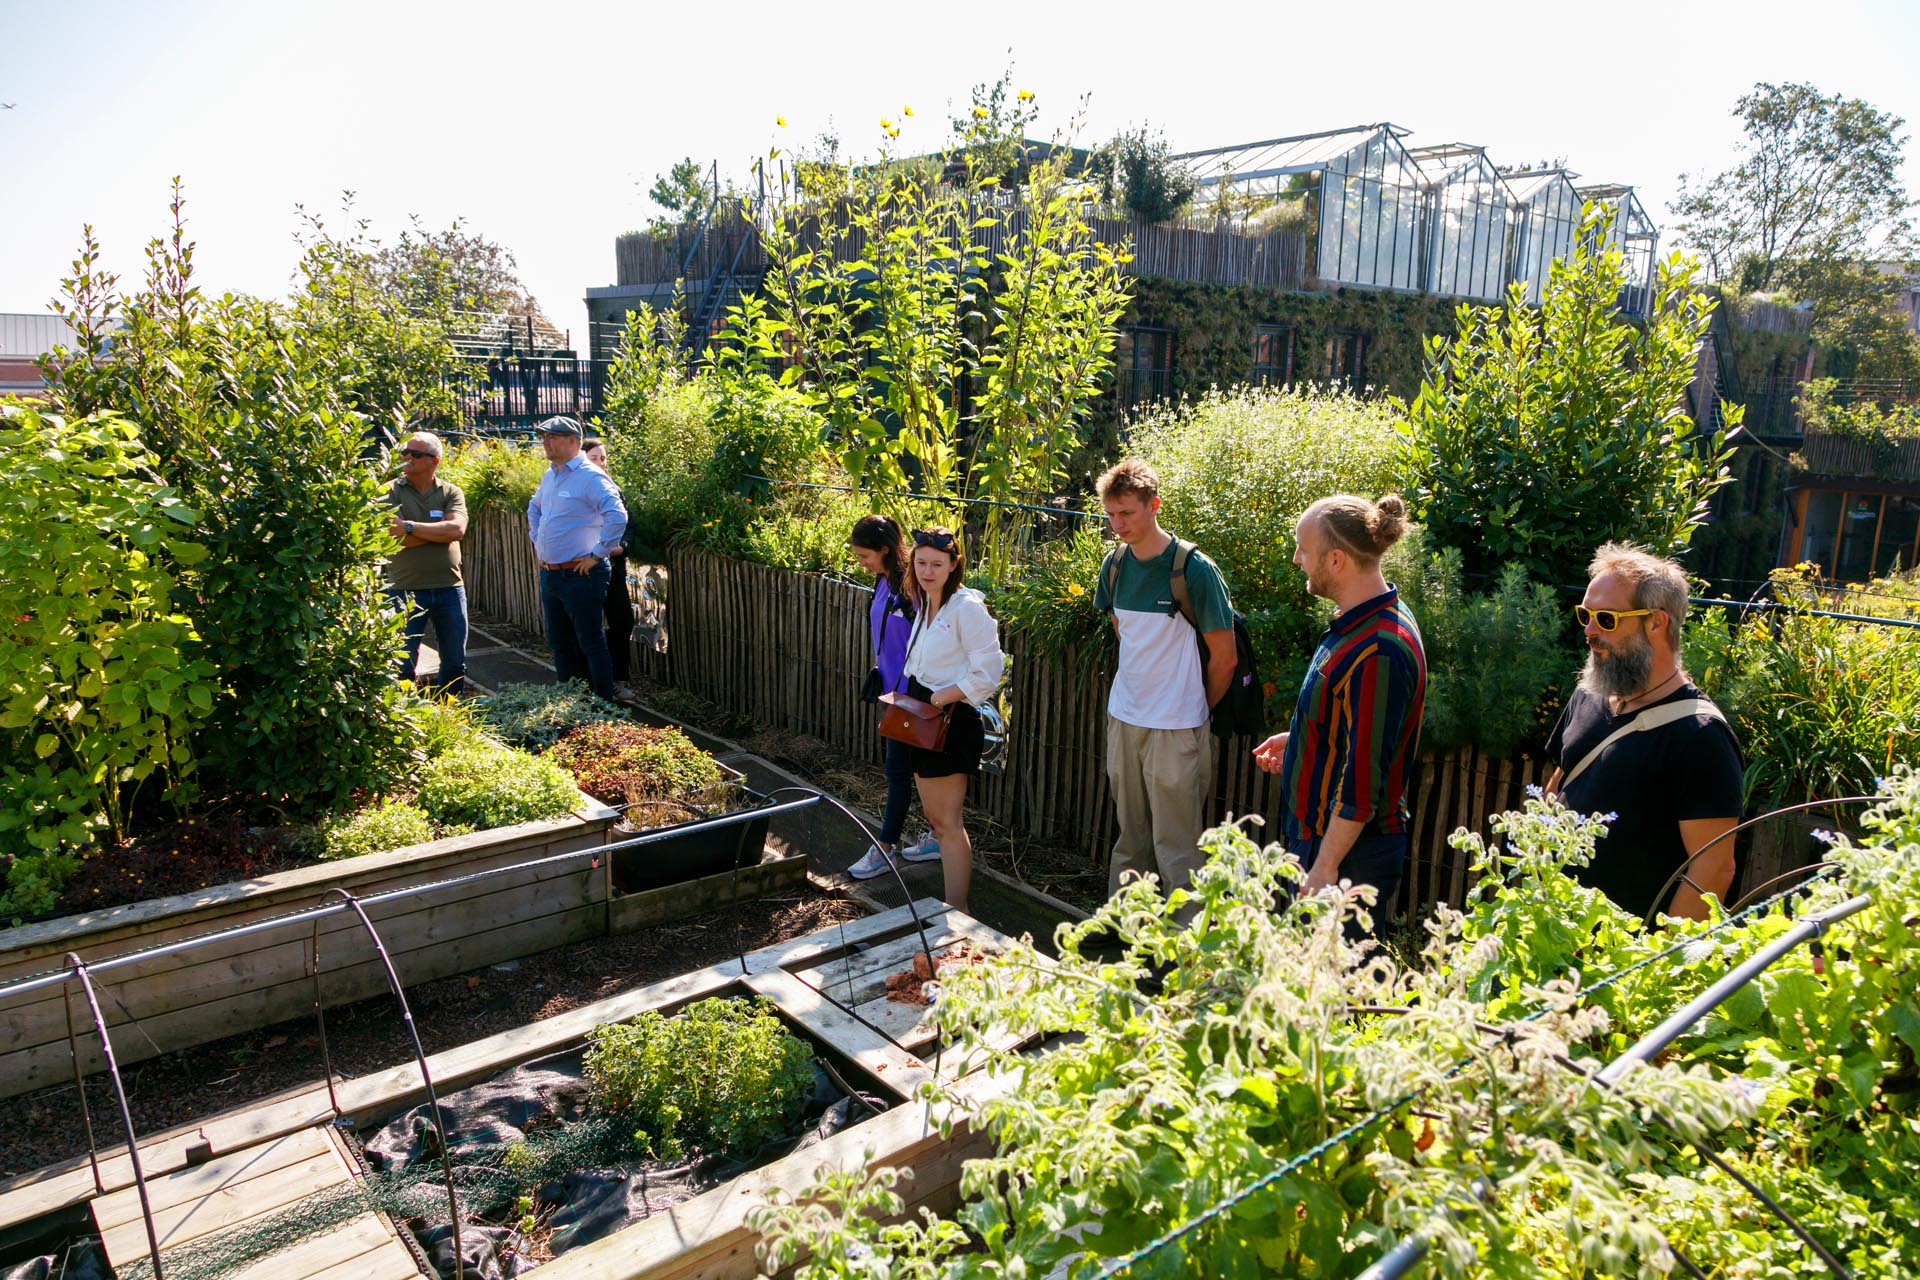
951	322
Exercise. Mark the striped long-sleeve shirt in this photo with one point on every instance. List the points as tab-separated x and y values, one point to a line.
1356	727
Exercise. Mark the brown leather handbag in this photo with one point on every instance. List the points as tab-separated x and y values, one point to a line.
916	723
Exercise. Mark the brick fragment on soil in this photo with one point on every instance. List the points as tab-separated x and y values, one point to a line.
909	985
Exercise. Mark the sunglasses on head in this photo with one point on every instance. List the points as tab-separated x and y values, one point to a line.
417	453
938	541
1606	619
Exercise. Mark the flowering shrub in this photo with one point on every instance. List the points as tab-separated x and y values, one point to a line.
1251	1093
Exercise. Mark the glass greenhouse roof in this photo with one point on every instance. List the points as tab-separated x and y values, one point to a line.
1278	157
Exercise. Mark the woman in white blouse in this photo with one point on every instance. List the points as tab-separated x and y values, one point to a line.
953	661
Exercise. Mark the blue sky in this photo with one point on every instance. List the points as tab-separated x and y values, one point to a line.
543	125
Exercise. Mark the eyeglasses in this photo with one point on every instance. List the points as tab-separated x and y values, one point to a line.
938	541
417	453
1607	618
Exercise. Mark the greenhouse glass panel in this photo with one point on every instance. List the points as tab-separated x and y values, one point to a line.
1550	213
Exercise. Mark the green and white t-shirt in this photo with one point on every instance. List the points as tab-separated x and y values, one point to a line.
1161	683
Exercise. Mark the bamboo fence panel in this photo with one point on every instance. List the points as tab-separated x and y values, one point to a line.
789	650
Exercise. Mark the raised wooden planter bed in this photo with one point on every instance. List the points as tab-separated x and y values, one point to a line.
190	997
242	1166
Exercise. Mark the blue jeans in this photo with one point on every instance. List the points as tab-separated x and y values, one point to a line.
573	603
1377	859
446	607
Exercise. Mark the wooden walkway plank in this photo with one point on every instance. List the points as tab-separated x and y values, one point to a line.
299	1147
343	1246
221	1207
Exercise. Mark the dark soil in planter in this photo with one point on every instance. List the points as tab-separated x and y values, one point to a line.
599	1184
175	1088
179	856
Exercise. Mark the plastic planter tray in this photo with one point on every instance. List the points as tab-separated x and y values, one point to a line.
697	847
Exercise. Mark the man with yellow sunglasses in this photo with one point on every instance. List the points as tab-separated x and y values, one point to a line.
1637	740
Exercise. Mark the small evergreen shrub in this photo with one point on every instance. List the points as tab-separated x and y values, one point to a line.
721	1075
534	716
494	472
391	824
626	763
481	787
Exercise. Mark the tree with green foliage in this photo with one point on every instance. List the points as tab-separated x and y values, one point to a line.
1812	203
1540	433
1135	170
457	274
257	415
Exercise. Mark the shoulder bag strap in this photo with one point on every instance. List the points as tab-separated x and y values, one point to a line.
1650	718
886	616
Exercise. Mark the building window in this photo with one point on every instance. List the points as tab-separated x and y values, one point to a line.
1143	366
1273	355
1347	359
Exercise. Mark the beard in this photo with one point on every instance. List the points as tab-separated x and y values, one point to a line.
1619	673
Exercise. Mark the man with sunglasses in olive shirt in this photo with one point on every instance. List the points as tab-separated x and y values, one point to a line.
429	519
1638	741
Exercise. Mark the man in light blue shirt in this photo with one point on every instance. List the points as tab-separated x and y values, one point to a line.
576	520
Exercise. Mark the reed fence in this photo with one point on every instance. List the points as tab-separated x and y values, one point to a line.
789	650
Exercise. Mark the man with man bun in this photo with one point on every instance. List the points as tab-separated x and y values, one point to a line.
1345	758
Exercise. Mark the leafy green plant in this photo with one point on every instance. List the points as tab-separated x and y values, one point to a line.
720	1075
1494	658
483	787
391	824
1822	707
447	724
102	681
1540	433
534	716
632	763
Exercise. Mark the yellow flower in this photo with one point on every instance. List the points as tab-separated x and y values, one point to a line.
885	123
1075	589
979	113
907	111
1026	95
781	121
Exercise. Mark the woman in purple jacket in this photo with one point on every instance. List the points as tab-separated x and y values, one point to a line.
877	544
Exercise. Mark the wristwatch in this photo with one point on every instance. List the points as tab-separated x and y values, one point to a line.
407	525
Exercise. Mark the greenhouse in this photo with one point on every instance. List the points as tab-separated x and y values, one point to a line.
1440	219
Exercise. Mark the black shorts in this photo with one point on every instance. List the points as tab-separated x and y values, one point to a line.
966	738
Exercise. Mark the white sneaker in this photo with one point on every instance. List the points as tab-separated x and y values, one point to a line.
622	691
874	863
928	850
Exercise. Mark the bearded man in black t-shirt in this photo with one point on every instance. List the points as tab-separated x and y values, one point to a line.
1637	740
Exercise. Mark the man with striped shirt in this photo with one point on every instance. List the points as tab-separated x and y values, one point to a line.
1345	758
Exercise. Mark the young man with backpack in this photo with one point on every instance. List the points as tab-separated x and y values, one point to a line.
1160	593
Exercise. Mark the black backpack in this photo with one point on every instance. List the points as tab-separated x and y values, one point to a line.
1243	708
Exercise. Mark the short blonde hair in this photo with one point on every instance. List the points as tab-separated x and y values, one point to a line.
1129	477
1658	582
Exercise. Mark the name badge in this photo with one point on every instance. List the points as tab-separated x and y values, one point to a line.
436	515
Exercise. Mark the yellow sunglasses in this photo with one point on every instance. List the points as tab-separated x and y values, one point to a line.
1607	618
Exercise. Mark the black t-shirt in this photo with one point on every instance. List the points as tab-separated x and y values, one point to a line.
1654	780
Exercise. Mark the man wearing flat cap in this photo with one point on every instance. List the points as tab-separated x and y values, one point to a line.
576	520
